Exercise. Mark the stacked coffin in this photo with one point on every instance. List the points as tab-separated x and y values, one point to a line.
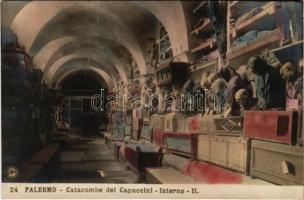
138	151
207	125
119	122
274	135
136	123
122	130
117	134
170	172
143	153
19	111
182	124
128	126
184	144
176	138
226	151
195	124
224	144
171	121
157	125
242	144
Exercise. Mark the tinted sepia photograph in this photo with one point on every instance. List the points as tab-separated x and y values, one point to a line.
152	92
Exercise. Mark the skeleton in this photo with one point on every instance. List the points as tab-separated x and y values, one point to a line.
294	83
218	88
177	99
187	91
148	84
204	80
160	95
269	84
167	99
241	96
244	99
288	72
244	73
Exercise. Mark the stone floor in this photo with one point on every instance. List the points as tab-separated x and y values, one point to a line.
89	160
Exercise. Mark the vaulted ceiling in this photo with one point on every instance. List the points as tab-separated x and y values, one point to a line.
68	36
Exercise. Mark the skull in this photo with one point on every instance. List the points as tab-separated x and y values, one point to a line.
244	73
218	86
241	96
288	71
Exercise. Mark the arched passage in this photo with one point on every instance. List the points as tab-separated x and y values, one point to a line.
57	80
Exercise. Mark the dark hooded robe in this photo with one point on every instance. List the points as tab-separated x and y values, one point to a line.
270	87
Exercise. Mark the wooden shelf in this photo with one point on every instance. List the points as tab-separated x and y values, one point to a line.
199	66
291	52
204	27
199	6
276	36
240	56
301	42
210	43
259	19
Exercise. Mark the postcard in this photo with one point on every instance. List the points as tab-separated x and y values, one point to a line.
152	99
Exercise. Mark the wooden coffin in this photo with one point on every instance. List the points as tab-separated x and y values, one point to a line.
160	122
300	139
208	126
232	126
128	130
219	150
129	120
146	133
276	126
167	175
182	125
122	157
115	147
153	120
171	121
129	117
229	152
184	144
136	123
137	113
121	131
239	154
136	134
195	124
146	117
107	137
118	132
141	156
203	147
115	131
278	163
171	171
119	118
158	137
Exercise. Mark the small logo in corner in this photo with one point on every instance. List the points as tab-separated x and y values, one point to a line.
12	172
